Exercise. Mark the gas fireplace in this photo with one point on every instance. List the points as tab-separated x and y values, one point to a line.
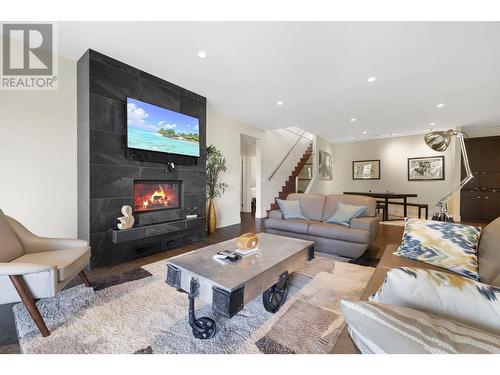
156	195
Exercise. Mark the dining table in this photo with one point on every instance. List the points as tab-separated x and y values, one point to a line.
386	196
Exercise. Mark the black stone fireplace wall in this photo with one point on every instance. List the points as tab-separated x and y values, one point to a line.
105	174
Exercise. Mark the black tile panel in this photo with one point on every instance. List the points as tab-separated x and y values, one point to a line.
97	56
158	95
107	114
111	181
106	211
109	148
111	82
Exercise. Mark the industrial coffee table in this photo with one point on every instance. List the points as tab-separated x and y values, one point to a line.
230	286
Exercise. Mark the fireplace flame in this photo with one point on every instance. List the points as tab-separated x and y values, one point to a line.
155	196
158	198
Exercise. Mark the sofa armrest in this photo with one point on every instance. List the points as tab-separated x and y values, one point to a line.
275	214
369	223
12	269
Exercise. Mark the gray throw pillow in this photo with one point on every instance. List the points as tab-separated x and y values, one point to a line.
291	209
345	213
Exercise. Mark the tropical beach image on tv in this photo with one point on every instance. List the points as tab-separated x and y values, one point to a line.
153	128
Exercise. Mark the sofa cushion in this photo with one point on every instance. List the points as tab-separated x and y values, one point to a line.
345	213
338	232
380	328
447	245
290	225
68	261
275	214
489	254
291	209
444	294
357	200
10	246
311	204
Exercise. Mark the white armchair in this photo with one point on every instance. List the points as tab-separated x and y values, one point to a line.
33	267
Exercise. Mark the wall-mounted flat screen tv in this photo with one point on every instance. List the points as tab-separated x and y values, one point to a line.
153	128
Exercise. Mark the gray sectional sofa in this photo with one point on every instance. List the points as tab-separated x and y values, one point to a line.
336	239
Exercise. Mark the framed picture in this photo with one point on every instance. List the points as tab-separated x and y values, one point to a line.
325	165
426	168
366	170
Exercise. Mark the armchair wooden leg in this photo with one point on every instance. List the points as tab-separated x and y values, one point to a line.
27	299
84	278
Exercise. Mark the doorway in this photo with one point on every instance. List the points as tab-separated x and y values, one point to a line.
248	192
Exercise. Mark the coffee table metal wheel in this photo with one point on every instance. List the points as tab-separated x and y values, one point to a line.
204	327
274	297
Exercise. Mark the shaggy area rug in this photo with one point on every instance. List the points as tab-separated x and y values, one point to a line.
138	313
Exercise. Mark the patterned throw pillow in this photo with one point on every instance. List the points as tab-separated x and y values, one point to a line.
345	213
442	294
446	245
291	209
377	328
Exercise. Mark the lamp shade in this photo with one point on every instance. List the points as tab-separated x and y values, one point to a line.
439	140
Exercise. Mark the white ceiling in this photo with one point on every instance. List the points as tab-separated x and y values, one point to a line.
318	69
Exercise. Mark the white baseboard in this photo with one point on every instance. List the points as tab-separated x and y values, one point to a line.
228	221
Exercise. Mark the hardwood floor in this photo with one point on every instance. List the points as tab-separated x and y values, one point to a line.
8	338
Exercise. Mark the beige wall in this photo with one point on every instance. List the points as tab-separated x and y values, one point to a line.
393	154
38	156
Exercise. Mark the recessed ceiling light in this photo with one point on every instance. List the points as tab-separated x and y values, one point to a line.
372	79
352	137
364	132
391	134
280	103
432	124
440	105
202	54
352	120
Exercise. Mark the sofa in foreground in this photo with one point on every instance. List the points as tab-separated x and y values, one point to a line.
335	239
488	255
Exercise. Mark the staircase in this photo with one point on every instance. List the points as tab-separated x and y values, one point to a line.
289	186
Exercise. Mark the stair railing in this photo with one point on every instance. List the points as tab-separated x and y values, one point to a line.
287	154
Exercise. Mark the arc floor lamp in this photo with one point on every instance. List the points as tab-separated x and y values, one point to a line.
439	141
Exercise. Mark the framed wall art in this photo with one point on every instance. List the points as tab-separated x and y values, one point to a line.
426	168
366	170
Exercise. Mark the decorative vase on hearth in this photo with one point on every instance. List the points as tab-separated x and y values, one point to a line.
212	217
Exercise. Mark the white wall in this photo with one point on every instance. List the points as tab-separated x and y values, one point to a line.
393	154
224	133
38	156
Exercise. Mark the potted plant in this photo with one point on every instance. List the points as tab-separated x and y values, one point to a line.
216	163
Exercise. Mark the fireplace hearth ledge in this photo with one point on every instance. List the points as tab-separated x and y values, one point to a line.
152	230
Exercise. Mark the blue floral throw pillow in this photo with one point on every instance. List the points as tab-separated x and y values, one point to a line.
447	245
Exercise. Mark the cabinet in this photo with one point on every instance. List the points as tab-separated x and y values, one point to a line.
480	198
